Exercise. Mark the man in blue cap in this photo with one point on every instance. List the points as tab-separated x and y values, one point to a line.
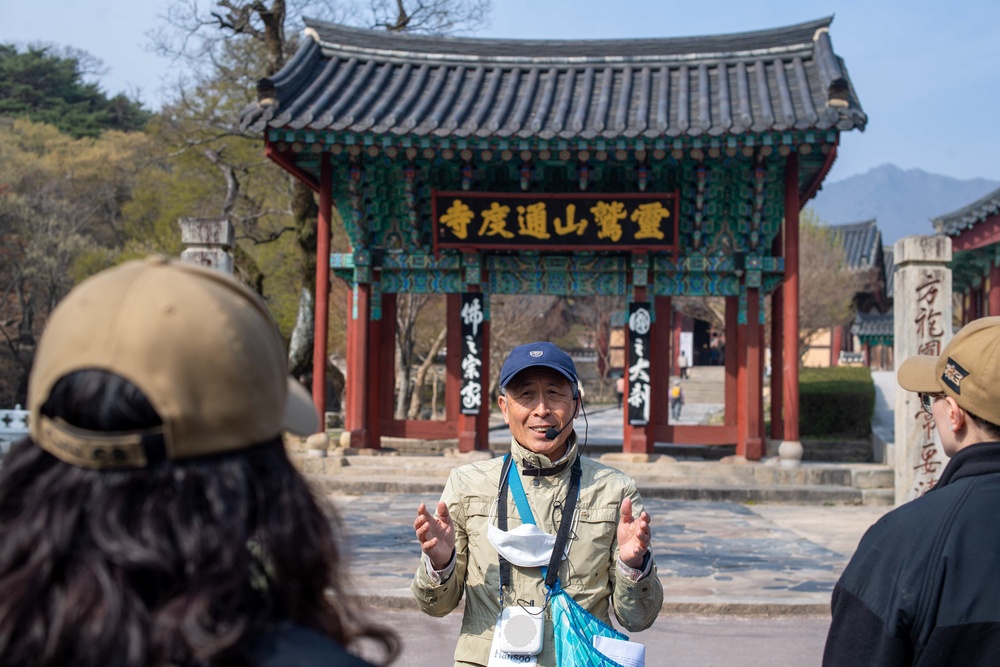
478	544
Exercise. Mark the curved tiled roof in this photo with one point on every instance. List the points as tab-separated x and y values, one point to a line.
376	82
952	224
877	326
862	243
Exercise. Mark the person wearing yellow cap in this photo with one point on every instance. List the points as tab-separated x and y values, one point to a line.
923	587
152	516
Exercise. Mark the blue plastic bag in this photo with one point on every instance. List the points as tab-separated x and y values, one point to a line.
575	629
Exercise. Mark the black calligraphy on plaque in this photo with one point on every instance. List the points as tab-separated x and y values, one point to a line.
472	316
639	325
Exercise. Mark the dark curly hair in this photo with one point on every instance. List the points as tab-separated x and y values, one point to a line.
185	563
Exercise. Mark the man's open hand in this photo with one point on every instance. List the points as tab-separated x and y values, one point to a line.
633	536
436	534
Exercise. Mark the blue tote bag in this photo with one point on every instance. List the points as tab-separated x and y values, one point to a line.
575	629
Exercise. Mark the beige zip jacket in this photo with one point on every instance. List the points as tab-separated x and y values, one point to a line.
589	574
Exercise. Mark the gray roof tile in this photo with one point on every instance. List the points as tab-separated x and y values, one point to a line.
873	325
348	79
954	223
862	243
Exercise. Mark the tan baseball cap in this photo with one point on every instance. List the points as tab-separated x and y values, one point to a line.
202	347
968	370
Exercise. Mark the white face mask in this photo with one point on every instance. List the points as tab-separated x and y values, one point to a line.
526	545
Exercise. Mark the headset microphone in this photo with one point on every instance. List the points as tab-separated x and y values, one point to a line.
552	433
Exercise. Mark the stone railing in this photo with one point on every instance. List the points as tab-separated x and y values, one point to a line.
13	427
851	358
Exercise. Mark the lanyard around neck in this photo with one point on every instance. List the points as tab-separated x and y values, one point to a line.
551	573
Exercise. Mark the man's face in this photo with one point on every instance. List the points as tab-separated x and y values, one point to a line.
538	399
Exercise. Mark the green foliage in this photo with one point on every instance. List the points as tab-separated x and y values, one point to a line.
61	202
836	402
45	87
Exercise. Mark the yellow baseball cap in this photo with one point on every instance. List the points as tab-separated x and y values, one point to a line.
202	347
968	370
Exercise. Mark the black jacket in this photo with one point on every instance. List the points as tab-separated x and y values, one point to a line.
289	645
923	587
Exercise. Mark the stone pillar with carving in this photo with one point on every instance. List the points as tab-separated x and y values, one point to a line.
922	314
209	242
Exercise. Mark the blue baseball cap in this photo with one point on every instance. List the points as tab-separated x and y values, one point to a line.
537	354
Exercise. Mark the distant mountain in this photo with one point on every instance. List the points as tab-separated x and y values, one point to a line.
903	202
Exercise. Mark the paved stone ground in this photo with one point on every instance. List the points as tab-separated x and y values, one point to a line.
713	557
673	641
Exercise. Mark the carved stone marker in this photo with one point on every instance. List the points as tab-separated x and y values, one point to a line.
922	314
209	243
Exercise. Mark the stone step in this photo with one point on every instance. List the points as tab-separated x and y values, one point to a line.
853	475
707	384
795	495
867	484
662	467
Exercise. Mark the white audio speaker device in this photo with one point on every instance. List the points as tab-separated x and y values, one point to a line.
522	630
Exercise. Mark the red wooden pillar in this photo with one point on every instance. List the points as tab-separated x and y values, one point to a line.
777	355
754	379
750	413
759	383
321	316
356	391
732	360
790	287
381	395
742	405
836	344
664	348
994	297
473	430
676	327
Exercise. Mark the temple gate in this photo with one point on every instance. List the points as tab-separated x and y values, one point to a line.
646	168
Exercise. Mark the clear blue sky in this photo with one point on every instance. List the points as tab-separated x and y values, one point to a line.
927	72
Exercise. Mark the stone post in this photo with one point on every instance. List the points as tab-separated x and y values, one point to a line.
922	309
209	242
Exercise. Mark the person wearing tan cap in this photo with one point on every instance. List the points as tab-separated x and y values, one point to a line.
923	587
152	517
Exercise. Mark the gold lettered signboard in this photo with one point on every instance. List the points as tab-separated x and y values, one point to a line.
600	221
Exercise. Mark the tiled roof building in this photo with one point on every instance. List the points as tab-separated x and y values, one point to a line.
967	217
482	166
872	328
863	254
353	80
975	240
862	244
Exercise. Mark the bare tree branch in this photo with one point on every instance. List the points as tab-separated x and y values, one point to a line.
232	184
420	377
